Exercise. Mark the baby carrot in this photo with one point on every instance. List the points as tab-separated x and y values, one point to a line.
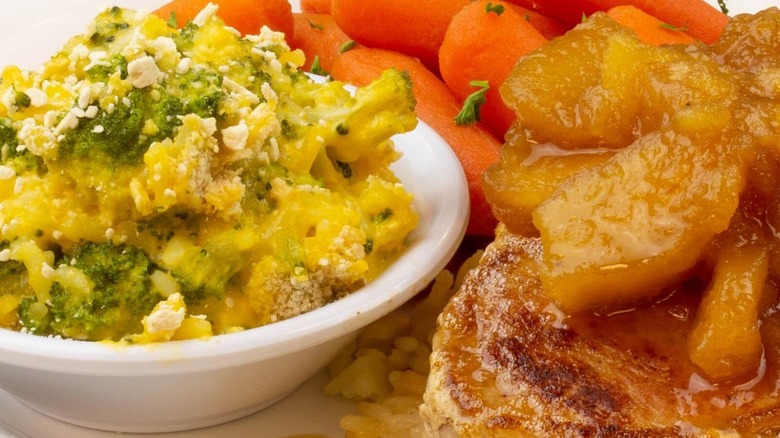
547	26
569	12
318	36
483	42
475	147
702	20
247	16
649	29
315	6
413	27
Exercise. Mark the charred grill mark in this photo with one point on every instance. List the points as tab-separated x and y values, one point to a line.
467	401
555	379
762	422
612	431
506	422
463	306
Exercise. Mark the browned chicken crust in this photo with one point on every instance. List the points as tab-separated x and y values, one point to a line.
505	362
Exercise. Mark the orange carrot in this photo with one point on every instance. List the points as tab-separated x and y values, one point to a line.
649	29
547	26
568	12
437	106
317	35
247	16
703	21
413	27
315	6
483	43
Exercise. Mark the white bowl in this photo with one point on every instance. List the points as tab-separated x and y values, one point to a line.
189	384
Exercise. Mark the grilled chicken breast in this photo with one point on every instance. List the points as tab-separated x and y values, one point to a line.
506	362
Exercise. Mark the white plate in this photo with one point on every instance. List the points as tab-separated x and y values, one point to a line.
29	31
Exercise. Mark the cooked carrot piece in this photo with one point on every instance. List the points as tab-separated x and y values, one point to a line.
649	29
315	6
483	42
247	16
549	27
702	20
412	27
437	106
318	36
569	12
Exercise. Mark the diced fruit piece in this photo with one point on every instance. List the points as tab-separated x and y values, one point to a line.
619	232
529	173
686	89
725	342
603	88
749	42
588	80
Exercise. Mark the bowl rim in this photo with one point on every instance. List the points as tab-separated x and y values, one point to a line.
442	226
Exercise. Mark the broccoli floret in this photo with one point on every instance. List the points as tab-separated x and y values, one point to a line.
205	271
120	273
119	142
200	91
107	25
20	161
184	39
101	73
34	316
13	277
377	112
121	137
120	296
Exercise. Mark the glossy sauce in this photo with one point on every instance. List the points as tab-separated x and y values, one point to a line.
661	329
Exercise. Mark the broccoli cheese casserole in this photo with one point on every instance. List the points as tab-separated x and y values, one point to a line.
161	183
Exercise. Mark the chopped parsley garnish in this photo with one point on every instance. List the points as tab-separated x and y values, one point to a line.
470	112
347	46
345	168
317	69
314	25
383	215
497	8
22	100
723	8
673	27
172	20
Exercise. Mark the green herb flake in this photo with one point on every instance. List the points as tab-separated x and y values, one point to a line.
172	22
314	25
471	107
288	129
22	100
347	46
498	8
317	69
673	27
383	215
345	168
723	8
